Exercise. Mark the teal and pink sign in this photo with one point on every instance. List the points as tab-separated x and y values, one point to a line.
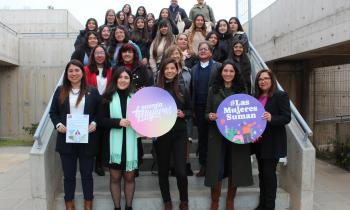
240	118
152	112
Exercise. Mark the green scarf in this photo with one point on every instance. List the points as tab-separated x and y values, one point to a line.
116	138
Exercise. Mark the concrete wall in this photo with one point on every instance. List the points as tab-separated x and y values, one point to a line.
26	89
331	93
290	27
40	21
9	46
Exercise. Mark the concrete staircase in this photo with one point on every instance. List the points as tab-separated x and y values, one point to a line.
148	197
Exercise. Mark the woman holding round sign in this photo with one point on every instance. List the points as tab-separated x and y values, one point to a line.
273	142
174	141
119	136
225	158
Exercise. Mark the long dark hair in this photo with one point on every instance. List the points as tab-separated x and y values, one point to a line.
240	28
125	21
273	89
157	40
140	35
160	14
237	83
130	11
108	11
162	80
87	23
228	33
67	86
93	65
209	35
100	29
113	87
231	54
124	48
114	41
86	46
144	15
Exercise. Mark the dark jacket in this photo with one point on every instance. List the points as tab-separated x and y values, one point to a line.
274	138
240	163
58	114
224	45
214	69
174	11
140	76
243	65
79	54
106	123
191	61
184	105
81	39
143	44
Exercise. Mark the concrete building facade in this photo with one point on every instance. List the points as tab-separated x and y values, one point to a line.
36	45
307	44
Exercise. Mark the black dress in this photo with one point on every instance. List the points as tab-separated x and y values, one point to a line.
106	122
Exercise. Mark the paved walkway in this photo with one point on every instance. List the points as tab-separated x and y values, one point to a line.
332	184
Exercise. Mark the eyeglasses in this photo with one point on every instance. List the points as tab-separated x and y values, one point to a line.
203	49
264	79
99	53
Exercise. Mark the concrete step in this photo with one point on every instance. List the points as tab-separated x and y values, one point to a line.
147	195
147	146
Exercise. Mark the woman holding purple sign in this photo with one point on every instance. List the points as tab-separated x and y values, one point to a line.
122	150
174	141
273	143
225	159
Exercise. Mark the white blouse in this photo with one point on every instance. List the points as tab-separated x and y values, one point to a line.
101	82
73	97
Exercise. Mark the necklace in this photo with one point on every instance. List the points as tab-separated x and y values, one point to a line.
76	92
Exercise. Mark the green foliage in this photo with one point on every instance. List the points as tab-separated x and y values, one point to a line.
31	129
15	142
342	154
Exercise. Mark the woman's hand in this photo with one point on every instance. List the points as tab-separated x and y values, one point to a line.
124	123
62	129
267	116
92	127
180	113
144	61
212	116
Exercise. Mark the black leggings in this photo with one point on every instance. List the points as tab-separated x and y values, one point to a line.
173	142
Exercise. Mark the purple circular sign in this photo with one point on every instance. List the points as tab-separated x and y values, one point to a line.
240	118
152	112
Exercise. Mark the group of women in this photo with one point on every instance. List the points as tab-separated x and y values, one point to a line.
129	52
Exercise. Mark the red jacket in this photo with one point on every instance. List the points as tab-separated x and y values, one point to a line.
91	77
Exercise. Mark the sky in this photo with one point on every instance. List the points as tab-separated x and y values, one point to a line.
84	9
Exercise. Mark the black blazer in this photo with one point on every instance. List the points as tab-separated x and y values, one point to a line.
58	114
274	139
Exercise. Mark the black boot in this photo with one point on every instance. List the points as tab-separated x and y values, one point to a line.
117	208
99	171
128	208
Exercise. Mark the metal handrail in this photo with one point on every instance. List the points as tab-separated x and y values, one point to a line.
255	55
8	28
45	119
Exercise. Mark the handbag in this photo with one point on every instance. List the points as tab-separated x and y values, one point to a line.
180	24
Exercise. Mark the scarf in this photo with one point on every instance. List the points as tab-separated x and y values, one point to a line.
116	138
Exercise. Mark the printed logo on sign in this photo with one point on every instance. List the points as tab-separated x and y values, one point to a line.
240	118
150	112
